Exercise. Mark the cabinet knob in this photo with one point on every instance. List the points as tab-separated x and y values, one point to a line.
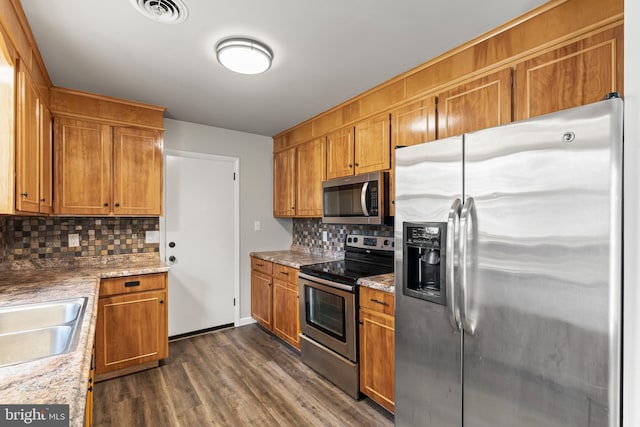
117	205
25	194
357	164
350	165
90	388
43	200
161	301
106	204
172	259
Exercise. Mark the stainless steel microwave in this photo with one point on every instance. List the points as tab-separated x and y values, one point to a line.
359	199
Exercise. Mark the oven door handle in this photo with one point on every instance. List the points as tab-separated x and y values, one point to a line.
363	198
326	282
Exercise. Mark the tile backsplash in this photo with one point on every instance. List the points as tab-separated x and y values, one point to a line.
307	234
24	238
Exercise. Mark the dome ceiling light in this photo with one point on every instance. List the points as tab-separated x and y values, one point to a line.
244	56
163	11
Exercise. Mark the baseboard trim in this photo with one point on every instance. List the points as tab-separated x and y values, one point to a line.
246	321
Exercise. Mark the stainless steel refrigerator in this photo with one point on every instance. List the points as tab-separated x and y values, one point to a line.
508	274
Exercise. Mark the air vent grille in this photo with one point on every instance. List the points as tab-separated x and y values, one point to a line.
164	11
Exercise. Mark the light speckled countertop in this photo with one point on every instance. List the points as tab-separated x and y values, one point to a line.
381	282
295	259
62	379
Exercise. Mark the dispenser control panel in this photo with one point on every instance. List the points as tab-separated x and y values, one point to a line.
424	253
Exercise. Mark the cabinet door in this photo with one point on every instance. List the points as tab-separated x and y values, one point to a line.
27	144
284	170
310	172
130	330
377	357
372	144
340	154
7	127
575	74
82	152
286	312
46	161
411	124
261	299
477	104
137	171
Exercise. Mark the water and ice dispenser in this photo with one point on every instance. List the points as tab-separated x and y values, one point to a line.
424	254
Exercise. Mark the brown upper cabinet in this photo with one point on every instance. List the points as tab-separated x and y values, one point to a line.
311	170
284	185
298	173
102	169
411	124
576	73
360	149
108	155
475	104
33	147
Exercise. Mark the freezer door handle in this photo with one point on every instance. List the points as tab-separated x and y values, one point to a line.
453	224
467	219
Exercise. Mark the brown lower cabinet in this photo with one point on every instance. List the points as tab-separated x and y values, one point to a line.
131	329
88	410
274	299
377	326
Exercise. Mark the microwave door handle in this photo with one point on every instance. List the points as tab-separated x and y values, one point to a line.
363	198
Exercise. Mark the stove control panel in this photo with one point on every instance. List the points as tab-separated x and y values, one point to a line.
370	242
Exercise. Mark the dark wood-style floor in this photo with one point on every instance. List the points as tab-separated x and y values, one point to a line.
234	377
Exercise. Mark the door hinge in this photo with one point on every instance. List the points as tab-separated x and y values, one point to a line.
234	302
234	176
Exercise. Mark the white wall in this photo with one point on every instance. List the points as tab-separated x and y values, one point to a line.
256	189
631	320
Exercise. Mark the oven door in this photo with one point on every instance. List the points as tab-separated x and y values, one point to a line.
328	314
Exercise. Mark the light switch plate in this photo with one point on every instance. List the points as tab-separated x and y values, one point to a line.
152	236
256	225
74	240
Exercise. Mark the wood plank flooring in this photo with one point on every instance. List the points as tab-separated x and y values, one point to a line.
234	377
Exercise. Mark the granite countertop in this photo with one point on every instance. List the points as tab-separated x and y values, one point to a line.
62	379
293	258
382	282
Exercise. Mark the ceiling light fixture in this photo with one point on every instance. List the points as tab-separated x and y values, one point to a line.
244	56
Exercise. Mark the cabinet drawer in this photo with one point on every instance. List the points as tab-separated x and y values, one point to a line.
375	300
128	284
285	273
261	265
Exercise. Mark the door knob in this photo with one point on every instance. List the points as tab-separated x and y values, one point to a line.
172	244
172	259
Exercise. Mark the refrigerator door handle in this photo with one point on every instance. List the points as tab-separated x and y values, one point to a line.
466	222
453	224
363	199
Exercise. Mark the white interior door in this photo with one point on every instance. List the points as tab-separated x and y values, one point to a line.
201	240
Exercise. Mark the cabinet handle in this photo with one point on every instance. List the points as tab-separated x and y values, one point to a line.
90	388
90	380
259	265
286	273
379	302
25	194
131	284
117	205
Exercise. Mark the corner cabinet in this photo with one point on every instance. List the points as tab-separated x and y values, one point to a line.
377	344
131	329
274	299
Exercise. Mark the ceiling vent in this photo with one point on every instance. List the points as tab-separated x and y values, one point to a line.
164	11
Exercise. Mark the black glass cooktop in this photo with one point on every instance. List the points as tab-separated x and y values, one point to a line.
345	271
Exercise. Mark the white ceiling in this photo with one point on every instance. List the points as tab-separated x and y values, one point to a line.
325	51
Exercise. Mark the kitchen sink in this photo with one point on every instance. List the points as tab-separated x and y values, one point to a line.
35	331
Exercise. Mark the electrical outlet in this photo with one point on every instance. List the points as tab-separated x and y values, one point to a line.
152	236
74	240
324	236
